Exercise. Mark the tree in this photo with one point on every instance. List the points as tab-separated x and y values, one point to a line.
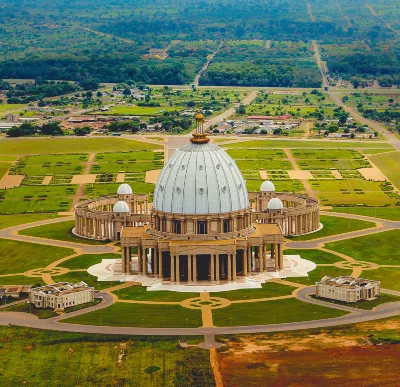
124	126
83	131
99	94
241	109
22	130
52	129
127	92
89	94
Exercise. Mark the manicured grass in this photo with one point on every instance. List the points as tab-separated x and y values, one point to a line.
95	190
273	144
28	308
4	167
140	110
15	220
18	257
381	248
84	261
389	277
82	306
333	225
318	273
316	256
365	304
389	213
20	280
269	289
141	293
389	164
65	145
64	359
270	312
85	277
60	231
26	199
8	107
351	192
141	315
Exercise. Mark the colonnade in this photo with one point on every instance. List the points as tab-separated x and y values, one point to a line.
254	259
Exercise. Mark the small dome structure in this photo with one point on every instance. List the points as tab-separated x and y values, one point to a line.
267	186
199	117
121	206
275	204
124	189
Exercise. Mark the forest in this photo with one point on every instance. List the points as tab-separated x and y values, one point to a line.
109	41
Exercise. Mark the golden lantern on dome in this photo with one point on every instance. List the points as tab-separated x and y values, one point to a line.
199	137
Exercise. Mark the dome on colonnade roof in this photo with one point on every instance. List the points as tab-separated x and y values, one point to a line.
124	189
121	206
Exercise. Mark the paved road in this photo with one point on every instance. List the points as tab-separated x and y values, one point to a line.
355	316
385	225
204	68
392	138
12	233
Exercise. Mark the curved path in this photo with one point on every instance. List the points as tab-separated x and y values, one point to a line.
355	316
12	233
382	225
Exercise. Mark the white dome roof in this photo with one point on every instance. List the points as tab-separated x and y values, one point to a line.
121	206
267	186
200	179
275	204
124	189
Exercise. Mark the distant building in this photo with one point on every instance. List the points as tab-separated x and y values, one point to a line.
348	289
14	291
264	118
81	119
61	295
157	53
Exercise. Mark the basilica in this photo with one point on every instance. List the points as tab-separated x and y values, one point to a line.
203	224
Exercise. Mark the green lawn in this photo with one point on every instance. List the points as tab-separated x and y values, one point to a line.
62	359
389	277
140	110
270	312
274	144
27	308
316	256
8	108
381	248
17	219
365	304
389	164
20	280
60	231
84	261
85	277
389	213
140	315
18	257
333	225
65	145
141	293
25	199
318	273
269	289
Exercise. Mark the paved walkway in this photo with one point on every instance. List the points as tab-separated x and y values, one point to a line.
12	233
297	168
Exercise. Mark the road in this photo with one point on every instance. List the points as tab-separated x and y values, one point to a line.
12	233
204	68
317	55
392	138
355	316
384	225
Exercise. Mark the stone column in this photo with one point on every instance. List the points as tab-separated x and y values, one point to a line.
276	256
229	267
160	271
212	267
178	274
154	265
249	259
265	257
194	258
144	261
280	250
261	258
217	267
245	258
189	258
234	266
172	268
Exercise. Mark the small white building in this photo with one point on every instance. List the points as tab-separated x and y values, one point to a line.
347	289
61	295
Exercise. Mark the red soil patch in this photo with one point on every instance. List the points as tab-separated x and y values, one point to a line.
347	366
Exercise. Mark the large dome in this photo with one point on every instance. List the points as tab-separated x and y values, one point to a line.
200	179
